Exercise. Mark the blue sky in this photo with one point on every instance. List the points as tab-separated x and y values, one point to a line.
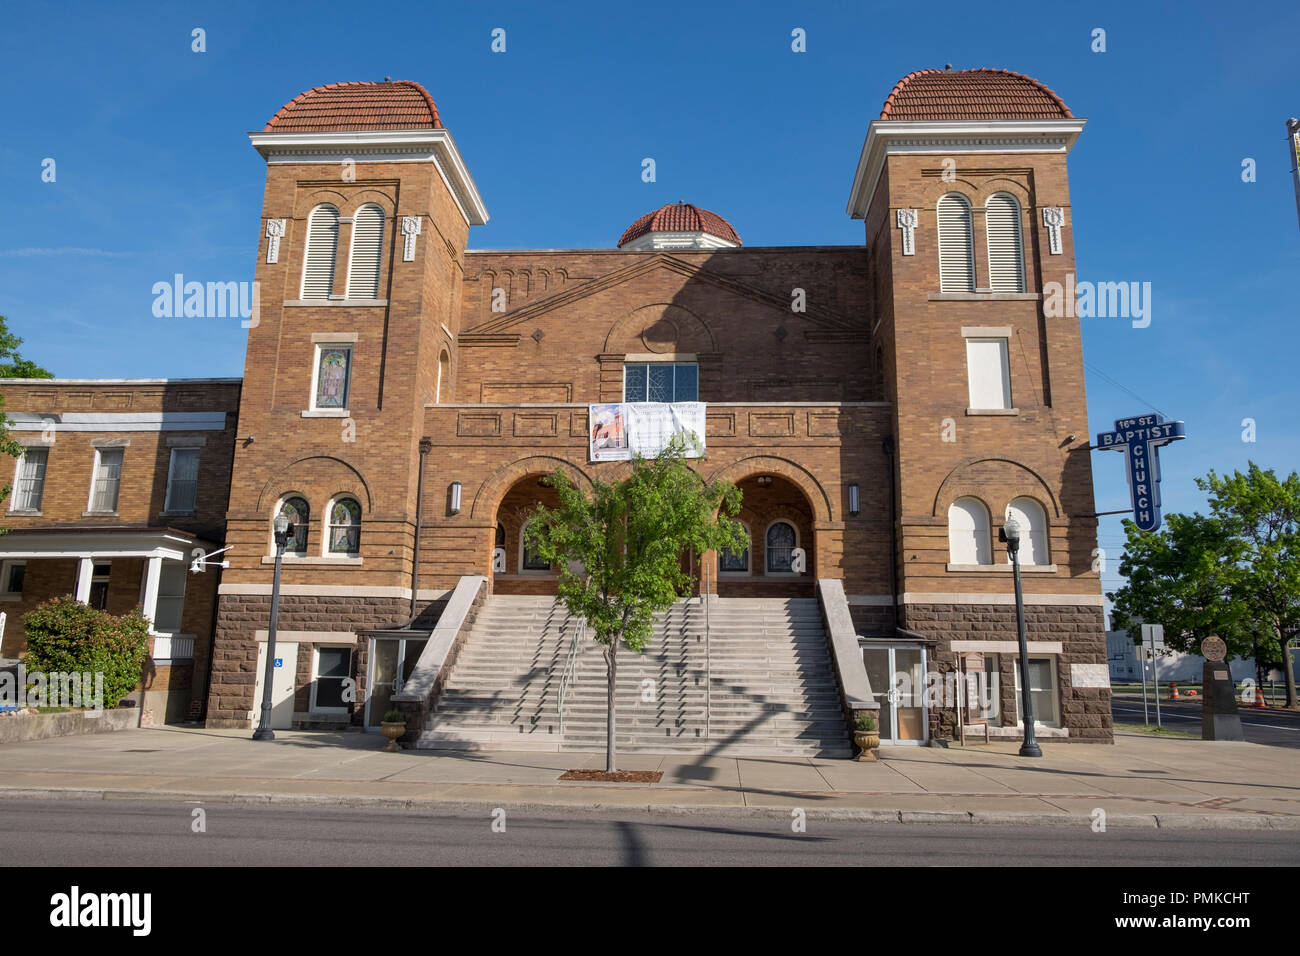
155	175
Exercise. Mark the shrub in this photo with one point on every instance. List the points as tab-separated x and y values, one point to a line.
65	635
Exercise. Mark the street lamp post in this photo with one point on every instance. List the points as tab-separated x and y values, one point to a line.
1011	535
282	529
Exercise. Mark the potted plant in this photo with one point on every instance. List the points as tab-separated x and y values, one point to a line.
393	726
866	736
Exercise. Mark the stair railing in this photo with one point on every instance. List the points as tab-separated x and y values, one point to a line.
569	671
708	662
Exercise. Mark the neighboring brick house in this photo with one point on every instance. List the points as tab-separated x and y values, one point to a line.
882	407
120	481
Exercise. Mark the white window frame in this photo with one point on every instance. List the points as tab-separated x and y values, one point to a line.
18	473
180	617
1028	529
94	479
1055	722
332	342
315	675
535	572
1018	243
6	569
674	365
973	275
289	551
168	504
767	573
352	252
329	526
972	336
306	254
986	541
749	556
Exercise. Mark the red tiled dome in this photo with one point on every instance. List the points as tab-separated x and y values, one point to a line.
399	104
681	217
970	95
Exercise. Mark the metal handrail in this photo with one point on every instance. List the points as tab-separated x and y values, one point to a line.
708	661
568	673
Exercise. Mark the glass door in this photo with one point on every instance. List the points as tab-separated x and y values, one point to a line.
897	676
392	661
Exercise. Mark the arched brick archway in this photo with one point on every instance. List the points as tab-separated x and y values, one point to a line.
496	486
795	473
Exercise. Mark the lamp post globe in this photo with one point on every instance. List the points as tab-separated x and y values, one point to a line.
1011	535
281	528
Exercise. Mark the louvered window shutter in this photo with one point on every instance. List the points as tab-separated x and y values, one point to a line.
956	245
322	249
1006	253
367	253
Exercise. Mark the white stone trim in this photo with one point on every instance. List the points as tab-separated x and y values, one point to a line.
1006	647
956	597
340	638
380	146
336	301
332	590
1004	568
636	357
188	441
987	331
332	337
950	138
120	421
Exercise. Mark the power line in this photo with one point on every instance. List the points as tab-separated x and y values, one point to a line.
1123	388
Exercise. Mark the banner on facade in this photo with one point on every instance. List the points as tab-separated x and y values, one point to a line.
620	430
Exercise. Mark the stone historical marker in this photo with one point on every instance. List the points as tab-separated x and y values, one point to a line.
1219	717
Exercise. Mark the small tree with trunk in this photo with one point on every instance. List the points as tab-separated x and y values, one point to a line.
619	549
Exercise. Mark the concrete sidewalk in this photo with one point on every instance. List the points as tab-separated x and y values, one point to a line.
1140	781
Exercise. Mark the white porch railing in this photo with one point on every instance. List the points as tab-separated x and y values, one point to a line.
174	647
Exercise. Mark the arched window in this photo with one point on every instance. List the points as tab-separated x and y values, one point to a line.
298	512
345	527
367	252
1031	517
969	538
956	245
500	541
731	562
529	559
781	542
322	250
444	375
1006	252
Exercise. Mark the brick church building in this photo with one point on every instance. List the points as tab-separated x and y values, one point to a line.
883	407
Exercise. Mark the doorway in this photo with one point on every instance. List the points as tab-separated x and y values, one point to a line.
283	684
392	659
897	676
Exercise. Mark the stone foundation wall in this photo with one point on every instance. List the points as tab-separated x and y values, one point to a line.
1084	711
234	677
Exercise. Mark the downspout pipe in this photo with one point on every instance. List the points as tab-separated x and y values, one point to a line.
426	446
899	620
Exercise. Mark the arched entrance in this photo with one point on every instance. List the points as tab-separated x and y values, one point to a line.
781	528
519	570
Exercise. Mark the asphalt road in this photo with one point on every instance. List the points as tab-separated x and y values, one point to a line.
1279	728
148	833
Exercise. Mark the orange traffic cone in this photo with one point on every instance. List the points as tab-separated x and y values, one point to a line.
1259	698
1173	692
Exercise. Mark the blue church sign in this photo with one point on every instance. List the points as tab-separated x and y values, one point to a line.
1140	439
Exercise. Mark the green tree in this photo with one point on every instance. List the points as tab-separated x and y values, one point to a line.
12	365
1260	516
620	549
64	635
1180	577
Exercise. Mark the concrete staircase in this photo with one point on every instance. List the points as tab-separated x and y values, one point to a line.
773	688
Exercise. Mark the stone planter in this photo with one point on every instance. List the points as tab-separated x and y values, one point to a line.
866	741
393	731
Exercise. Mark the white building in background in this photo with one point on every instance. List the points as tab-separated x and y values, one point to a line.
1171	665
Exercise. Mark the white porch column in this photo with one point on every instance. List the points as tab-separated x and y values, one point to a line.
152	572
85	570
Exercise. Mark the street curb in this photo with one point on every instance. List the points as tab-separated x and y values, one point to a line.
1163	821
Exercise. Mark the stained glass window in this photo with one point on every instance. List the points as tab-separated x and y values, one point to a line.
780	544
299	514
332	376
345	527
